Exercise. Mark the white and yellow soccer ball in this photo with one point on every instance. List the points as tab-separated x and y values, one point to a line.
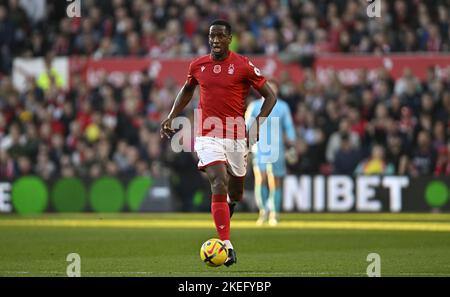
213	252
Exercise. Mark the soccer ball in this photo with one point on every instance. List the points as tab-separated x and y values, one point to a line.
213	252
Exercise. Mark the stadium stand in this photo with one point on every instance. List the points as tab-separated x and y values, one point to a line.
88	131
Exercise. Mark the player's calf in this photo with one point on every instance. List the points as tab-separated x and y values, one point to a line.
236	188
235	192
233	198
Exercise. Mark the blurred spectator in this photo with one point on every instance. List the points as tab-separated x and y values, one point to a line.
36	9
407	82
169	28
423	157
6	166
396	154
24	166
442	167
440	136
375	164
334	142
50	76
305	161
346	158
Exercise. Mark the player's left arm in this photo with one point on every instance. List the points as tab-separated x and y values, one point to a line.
269	102
258	82
288	125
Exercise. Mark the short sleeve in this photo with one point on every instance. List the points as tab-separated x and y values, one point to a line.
254	76
191	80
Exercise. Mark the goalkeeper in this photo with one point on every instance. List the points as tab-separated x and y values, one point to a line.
269	171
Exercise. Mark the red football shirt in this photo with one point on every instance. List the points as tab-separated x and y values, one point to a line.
224	85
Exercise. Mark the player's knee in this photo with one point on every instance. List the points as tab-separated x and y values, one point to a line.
264	180
218	184
278	182
263	177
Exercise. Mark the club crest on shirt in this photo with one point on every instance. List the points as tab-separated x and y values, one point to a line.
217	69
231	69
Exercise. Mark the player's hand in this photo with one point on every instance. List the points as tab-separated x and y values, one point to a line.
253	134
166	128
291	156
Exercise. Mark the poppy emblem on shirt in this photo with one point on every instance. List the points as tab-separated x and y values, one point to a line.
217	69
231	69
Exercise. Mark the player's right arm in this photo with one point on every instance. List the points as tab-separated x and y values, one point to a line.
182	99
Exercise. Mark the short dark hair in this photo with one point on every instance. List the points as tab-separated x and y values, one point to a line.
222	23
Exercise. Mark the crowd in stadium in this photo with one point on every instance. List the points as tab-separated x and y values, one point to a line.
172	28
382	126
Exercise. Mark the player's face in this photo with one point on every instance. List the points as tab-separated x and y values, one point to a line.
219	40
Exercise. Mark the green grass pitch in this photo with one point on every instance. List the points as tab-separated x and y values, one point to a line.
168	244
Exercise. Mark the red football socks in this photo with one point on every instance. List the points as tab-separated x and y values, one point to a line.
221	216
